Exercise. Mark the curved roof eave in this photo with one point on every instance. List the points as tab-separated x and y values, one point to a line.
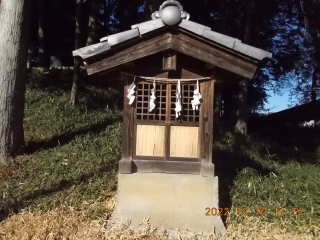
140	29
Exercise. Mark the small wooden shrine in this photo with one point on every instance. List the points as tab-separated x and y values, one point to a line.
168	127
169	67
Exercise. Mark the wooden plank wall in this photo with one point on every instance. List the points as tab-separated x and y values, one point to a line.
184	142
150	140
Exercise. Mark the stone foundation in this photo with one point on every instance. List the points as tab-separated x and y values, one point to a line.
170	201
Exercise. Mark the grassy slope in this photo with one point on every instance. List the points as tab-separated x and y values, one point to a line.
263	174
72	152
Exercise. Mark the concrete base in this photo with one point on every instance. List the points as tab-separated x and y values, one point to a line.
171	201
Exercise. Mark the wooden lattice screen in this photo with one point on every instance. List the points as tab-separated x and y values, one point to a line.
188	115
143	97
159	113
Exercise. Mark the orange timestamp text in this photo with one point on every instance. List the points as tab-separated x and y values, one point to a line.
257	212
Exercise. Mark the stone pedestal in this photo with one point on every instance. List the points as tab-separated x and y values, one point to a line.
170	201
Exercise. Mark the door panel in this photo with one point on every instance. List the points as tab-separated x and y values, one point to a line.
159	135
150	140
184	142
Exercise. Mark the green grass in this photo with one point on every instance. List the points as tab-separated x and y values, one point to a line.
72	153
258	178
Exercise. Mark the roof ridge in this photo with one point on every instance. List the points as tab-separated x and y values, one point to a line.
138	30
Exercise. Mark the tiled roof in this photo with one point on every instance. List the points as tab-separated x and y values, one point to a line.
140	29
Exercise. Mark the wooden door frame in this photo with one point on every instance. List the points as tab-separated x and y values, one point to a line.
167	123
130	164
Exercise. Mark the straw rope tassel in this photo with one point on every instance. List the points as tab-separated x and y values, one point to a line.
131	92
196	98
178	108
152	105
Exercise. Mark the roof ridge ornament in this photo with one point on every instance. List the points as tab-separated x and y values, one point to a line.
171	13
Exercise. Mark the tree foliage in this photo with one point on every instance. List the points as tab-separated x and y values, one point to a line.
287	28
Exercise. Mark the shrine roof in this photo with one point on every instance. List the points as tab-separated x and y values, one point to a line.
141	29
223	51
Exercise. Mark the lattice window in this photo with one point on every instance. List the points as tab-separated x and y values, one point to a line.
187	115
159	113
143	98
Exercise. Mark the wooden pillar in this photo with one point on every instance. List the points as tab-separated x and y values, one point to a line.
217	106
206	128
126	164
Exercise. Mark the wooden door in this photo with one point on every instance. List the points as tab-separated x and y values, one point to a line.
150	126
184	131
158	134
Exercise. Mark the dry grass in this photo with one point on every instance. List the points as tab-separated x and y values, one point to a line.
61	223
254	228
66	223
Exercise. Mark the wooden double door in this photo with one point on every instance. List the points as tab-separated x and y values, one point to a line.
159	135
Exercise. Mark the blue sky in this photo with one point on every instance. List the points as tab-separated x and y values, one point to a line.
277	102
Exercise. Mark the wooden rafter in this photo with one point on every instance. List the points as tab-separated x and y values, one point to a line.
180	42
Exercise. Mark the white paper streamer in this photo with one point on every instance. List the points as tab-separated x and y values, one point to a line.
178	108
196	98
152	105
131	92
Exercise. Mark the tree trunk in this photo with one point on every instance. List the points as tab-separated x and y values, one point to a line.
41	34
310	11
76	67
105	17
31	54
14	32
91	39
315	78
241	123
314	85
249	10
150	6
92	27
316	69
76	81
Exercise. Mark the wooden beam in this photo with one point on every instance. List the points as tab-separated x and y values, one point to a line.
196	73
180	42
166	167
206	121
167	127
127	135
206	128
197	49
225	79
148	72
185	72
137	51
